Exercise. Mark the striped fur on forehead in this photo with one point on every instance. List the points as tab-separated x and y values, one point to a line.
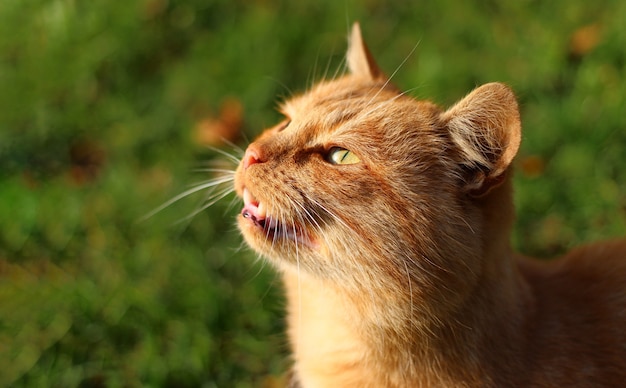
353	113
335	101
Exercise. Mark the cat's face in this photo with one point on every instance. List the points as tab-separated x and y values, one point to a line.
365	186
352	159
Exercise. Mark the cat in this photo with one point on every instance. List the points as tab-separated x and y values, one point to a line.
389	220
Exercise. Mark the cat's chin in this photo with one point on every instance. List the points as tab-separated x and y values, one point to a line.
263	229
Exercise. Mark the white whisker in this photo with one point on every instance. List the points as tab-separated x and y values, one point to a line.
340	69
282	85
215	170
388	80
210	201
203	186
312	77
408	276
406	58
382	105
230	157
234	146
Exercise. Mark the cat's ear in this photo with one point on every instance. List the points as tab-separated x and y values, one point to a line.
360	60
485	125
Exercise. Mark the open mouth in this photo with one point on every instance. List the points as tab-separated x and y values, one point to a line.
256	212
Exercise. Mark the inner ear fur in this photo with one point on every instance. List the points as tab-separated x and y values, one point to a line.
485	126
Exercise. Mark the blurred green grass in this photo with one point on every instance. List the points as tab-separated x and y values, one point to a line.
99	108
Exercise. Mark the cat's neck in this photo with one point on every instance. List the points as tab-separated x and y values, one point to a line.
338	341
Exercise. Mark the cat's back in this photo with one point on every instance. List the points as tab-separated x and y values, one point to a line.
577	331
586	273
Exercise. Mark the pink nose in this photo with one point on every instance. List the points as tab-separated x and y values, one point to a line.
252	156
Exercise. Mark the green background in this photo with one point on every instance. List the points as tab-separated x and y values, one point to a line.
100	105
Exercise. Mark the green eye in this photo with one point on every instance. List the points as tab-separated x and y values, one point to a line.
338	155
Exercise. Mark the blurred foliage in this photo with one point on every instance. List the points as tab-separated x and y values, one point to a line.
104	108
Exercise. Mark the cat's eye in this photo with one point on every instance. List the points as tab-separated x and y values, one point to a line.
338	155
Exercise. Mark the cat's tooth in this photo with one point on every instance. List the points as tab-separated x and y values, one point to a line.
247	197
261	210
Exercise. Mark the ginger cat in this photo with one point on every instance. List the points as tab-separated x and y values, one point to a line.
389	220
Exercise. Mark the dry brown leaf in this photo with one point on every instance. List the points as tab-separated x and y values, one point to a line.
87	159
225	128
585	39
532	166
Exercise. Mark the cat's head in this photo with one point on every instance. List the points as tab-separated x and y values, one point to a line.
366	186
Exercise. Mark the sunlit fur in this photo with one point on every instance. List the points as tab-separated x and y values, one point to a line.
398	269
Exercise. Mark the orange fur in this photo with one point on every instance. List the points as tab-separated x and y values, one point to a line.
398	268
